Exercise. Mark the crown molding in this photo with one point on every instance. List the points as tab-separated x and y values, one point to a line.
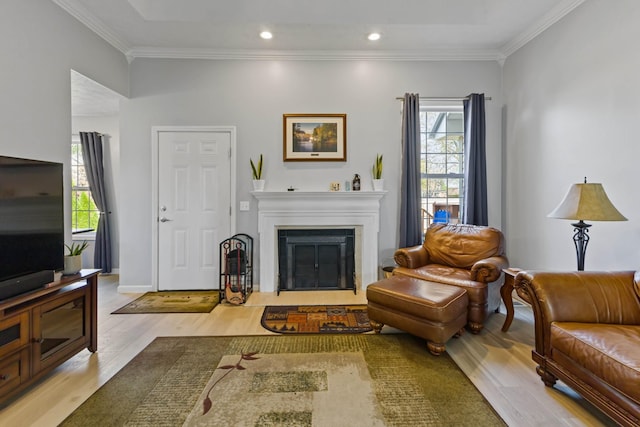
79	12
439	54
96	25
550	18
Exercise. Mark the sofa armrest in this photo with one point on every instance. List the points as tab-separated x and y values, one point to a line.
489	269
411	257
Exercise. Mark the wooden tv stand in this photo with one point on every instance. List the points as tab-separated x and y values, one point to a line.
42	329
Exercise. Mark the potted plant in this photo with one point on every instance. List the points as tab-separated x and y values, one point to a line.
256	170
73	258
378	182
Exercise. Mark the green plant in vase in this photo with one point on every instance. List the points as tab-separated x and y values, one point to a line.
378	182
256	171
377	167
73	258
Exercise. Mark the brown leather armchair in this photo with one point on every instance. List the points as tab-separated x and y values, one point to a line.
587	329
468	256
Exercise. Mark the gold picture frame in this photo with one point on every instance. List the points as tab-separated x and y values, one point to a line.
314	137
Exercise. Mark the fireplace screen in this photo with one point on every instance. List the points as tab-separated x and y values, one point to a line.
319	259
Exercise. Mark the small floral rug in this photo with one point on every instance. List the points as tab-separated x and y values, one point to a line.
316	319
172	302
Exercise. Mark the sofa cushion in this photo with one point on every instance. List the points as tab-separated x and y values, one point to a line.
589	297
418	298
608	351
462	245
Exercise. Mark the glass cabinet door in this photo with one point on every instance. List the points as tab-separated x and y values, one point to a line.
60	327
14	333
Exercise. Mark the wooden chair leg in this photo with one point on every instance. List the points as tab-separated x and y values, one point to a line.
435	348
377	326
475	327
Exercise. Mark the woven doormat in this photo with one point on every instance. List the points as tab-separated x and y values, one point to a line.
316	319
172	302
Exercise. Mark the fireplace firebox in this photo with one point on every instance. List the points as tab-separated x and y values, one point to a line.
316	259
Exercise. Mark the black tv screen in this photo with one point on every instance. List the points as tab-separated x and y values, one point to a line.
31	217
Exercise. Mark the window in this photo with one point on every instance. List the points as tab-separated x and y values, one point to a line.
84	213
441	164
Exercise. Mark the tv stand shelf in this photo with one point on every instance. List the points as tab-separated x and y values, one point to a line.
42	329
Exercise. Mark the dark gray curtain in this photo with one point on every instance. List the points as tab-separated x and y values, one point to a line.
475	188
92	155
410	214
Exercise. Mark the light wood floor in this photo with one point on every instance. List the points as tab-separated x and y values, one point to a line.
498	363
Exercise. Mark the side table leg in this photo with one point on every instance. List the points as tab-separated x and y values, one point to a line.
506	291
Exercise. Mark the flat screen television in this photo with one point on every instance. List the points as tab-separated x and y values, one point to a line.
31	224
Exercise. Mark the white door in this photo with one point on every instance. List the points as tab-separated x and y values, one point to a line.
194	207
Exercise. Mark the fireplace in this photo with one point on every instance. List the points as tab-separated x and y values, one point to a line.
357	210
316	259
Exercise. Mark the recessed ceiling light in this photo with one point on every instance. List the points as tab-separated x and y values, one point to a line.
374	36
266	35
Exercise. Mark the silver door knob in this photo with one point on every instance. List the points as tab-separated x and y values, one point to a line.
163	219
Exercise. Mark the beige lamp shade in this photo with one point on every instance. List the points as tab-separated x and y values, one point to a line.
587	201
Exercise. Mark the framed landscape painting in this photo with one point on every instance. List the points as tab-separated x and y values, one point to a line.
315	137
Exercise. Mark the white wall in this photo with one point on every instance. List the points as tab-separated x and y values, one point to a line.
569	110
39	45
109	126
253	95
571	106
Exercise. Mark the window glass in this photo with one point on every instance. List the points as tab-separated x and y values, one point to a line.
84	213
442	164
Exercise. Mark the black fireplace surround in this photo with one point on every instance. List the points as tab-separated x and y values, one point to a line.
316	259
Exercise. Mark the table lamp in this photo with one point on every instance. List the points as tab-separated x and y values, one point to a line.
586	201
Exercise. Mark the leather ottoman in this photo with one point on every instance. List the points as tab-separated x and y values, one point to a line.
429	310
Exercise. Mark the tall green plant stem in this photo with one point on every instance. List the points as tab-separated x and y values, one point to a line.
76	248
377	167
256	170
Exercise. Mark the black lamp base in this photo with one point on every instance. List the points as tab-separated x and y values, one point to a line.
580	240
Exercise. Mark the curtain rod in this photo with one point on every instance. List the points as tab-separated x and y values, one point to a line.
437	98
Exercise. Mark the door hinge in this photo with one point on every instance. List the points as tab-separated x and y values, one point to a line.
229	210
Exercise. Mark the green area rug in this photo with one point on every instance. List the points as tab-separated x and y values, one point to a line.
172	302
288	380
314	319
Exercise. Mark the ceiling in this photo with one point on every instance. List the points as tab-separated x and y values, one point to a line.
89	98
306	29
319	29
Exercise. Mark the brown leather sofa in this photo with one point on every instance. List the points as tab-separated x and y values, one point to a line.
468	256
587	330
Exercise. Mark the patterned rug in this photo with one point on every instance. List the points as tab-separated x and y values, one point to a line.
315	319
172	302
287	380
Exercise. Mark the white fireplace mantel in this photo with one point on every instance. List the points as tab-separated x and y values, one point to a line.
280	209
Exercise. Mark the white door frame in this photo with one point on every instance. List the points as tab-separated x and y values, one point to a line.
155	153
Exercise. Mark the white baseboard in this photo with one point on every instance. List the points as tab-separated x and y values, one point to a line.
123	289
